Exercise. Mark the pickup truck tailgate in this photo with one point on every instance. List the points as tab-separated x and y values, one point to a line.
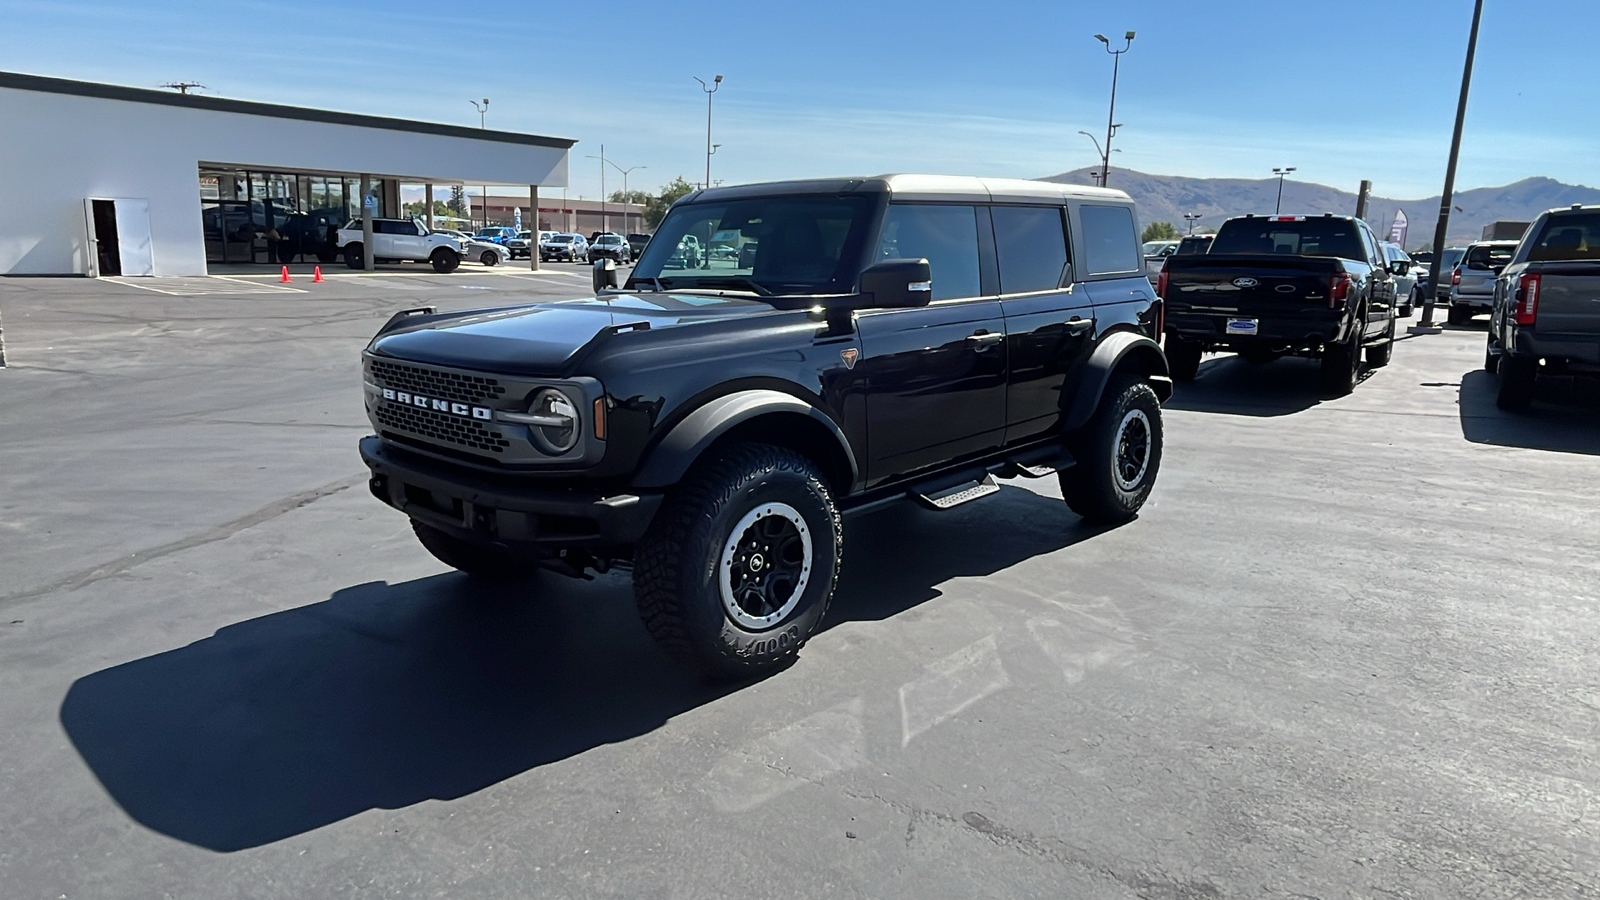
1569	298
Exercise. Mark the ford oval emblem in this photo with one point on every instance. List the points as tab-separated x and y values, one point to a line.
1245	282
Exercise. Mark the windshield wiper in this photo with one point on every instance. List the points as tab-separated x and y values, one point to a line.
733	281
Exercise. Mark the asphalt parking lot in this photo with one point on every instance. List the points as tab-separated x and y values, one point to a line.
1349	649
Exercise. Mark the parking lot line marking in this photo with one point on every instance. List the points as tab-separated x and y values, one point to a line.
811	749
951	685
196	285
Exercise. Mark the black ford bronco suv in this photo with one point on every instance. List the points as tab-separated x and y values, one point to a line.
706	424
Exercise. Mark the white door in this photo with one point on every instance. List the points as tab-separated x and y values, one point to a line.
133	237
91	251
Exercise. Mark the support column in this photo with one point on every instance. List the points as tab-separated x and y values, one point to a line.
367	261
533	207
427	203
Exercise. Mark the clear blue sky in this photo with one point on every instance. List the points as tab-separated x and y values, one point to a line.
1344	91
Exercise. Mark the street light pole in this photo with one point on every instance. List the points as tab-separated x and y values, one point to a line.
483	122
605	221
1111	114
1448	196
1191	218
1097	152
1281	173
709	89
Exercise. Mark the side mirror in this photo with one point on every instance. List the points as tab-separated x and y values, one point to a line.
605	274
1399	267
896	283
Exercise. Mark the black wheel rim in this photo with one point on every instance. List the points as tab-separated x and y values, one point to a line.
765	566
1133	449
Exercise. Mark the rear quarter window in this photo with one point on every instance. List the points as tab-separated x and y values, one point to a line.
1110	245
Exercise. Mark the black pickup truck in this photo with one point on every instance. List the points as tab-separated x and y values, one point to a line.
892	338
1546	316
1272	286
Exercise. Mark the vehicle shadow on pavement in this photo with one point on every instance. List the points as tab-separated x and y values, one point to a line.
1232	386
896	558
387	695
382	696
1571	425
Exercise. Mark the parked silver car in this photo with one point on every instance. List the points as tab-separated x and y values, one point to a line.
565	247
1472	281
1406	271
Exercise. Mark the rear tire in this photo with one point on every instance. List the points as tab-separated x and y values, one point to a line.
1341	364
1459	315
1183	358
489	258
1517	377
1118	454
445	260
736	571
479	562
1491	359
355	256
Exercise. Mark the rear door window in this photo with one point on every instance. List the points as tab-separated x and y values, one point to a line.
1032	245
947	236
1110	246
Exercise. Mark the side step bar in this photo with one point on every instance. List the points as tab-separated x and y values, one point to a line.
957	494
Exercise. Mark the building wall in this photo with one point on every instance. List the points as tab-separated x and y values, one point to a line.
58	149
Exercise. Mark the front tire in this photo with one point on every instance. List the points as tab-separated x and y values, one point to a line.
479	562
736	571
445	260
1517	377
1118	454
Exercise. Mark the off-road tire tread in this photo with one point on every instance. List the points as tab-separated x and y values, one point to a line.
660	556
1087	486
1183	359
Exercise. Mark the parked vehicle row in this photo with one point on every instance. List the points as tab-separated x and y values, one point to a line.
1472	281
867	341
1544	317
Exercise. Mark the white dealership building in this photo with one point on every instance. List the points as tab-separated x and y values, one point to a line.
99	179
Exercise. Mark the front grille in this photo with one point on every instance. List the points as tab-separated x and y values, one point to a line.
442	385
437	426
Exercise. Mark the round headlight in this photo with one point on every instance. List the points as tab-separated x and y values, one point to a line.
559	429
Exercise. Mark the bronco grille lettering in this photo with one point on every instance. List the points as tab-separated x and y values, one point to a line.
405	398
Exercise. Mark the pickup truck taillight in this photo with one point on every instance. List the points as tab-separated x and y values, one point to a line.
1527	308
1338	290
1161	282
1455	275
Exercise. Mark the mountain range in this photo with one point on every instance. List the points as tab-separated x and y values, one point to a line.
1165	198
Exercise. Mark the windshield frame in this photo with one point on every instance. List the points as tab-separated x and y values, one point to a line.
858	246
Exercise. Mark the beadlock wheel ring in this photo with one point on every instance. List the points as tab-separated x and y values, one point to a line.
1131	451
765	566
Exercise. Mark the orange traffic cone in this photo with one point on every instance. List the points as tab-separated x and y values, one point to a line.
316	274
284	279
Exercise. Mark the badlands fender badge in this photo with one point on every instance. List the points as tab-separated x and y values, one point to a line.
849	357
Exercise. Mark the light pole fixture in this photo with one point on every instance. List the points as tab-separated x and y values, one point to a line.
1097	152
710	148
483	113
626	198
1111	114
1282	174
1191	218
605	221
1441	231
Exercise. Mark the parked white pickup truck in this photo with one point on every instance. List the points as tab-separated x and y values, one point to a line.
400	239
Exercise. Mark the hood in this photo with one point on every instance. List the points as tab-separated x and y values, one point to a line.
544	338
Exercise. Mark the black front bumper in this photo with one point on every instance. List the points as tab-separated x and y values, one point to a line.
485	509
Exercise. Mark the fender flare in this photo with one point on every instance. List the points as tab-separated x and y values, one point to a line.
670	460
1114	348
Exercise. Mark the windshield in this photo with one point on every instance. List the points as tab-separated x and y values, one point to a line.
1487	256
609	239
1569	236
1306	237
809	244
488	232
1193	246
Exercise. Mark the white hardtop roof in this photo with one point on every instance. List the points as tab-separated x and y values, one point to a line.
923	187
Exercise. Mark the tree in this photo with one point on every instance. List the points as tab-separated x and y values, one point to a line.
638	198
458	199
420	209
1160	231
656	208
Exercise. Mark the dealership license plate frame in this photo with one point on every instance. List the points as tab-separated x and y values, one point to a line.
1243	327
